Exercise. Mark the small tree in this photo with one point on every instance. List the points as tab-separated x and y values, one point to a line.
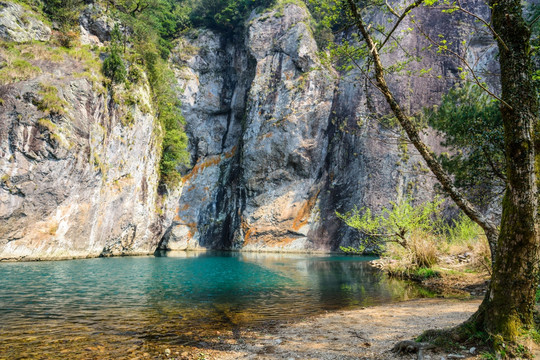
64	12
396	225
113	66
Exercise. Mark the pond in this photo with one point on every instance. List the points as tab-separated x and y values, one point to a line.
126	306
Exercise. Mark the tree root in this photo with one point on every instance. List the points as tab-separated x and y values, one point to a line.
409	347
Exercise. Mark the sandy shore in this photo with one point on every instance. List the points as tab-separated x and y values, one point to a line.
367	333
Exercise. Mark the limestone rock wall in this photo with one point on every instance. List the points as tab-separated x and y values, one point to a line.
281	141
78	167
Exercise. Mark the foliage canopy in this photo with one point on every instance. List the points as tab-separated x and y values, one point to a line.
471	124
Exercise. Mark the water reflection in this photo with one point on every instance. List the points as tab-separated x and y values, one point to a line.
124	306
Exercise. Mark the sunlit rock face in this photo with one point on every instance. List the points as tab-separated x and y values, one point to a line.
280	140
18	24
257	110
78	169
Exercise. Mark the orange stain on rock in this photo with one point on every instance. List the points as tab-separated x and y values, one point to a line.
192	229
231	153
285	241
302	217
247	232
200	167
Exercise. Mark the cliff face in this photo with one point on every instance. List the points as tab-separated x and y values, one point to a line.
279	141
78	167
257	111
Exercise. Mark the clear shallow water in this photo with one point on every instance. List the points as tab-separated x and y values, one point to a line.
124	307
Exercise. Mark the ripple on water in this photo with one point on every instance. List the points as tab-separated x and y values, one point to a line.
125	307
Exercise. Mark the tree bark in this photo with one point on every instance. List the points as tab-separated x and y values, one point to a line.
509	306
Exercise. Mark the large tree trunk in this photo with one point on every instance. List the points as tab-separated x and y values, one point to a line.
509	306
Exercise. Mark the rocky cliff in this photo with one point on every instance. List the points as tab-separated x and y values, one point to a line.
279	141
78	166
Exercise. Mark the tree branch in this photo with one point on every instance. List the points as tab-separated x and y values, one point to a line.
496	171
495	35
534	21
394	12
400	19
468	66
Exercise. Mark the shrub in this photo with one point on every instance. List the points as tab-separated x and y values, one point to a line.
134	75
64	12
349	250
323	35
462	230
174	144
426	273
113	68
68	39
224	15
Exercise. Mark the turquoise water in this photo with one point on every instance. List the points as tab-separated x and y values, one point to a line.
121	307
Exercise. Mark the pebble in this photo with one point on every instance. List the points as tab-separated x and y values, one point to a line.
472	350
278	341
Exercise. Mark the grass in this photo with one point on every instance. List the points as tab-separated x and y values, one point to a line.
18	70
50	102
426	273
47	124
5	179
22	61
55	133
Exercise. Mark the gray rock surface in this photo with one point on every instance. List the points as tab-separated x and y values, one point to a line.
21	25
281	142
79	179
96	25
